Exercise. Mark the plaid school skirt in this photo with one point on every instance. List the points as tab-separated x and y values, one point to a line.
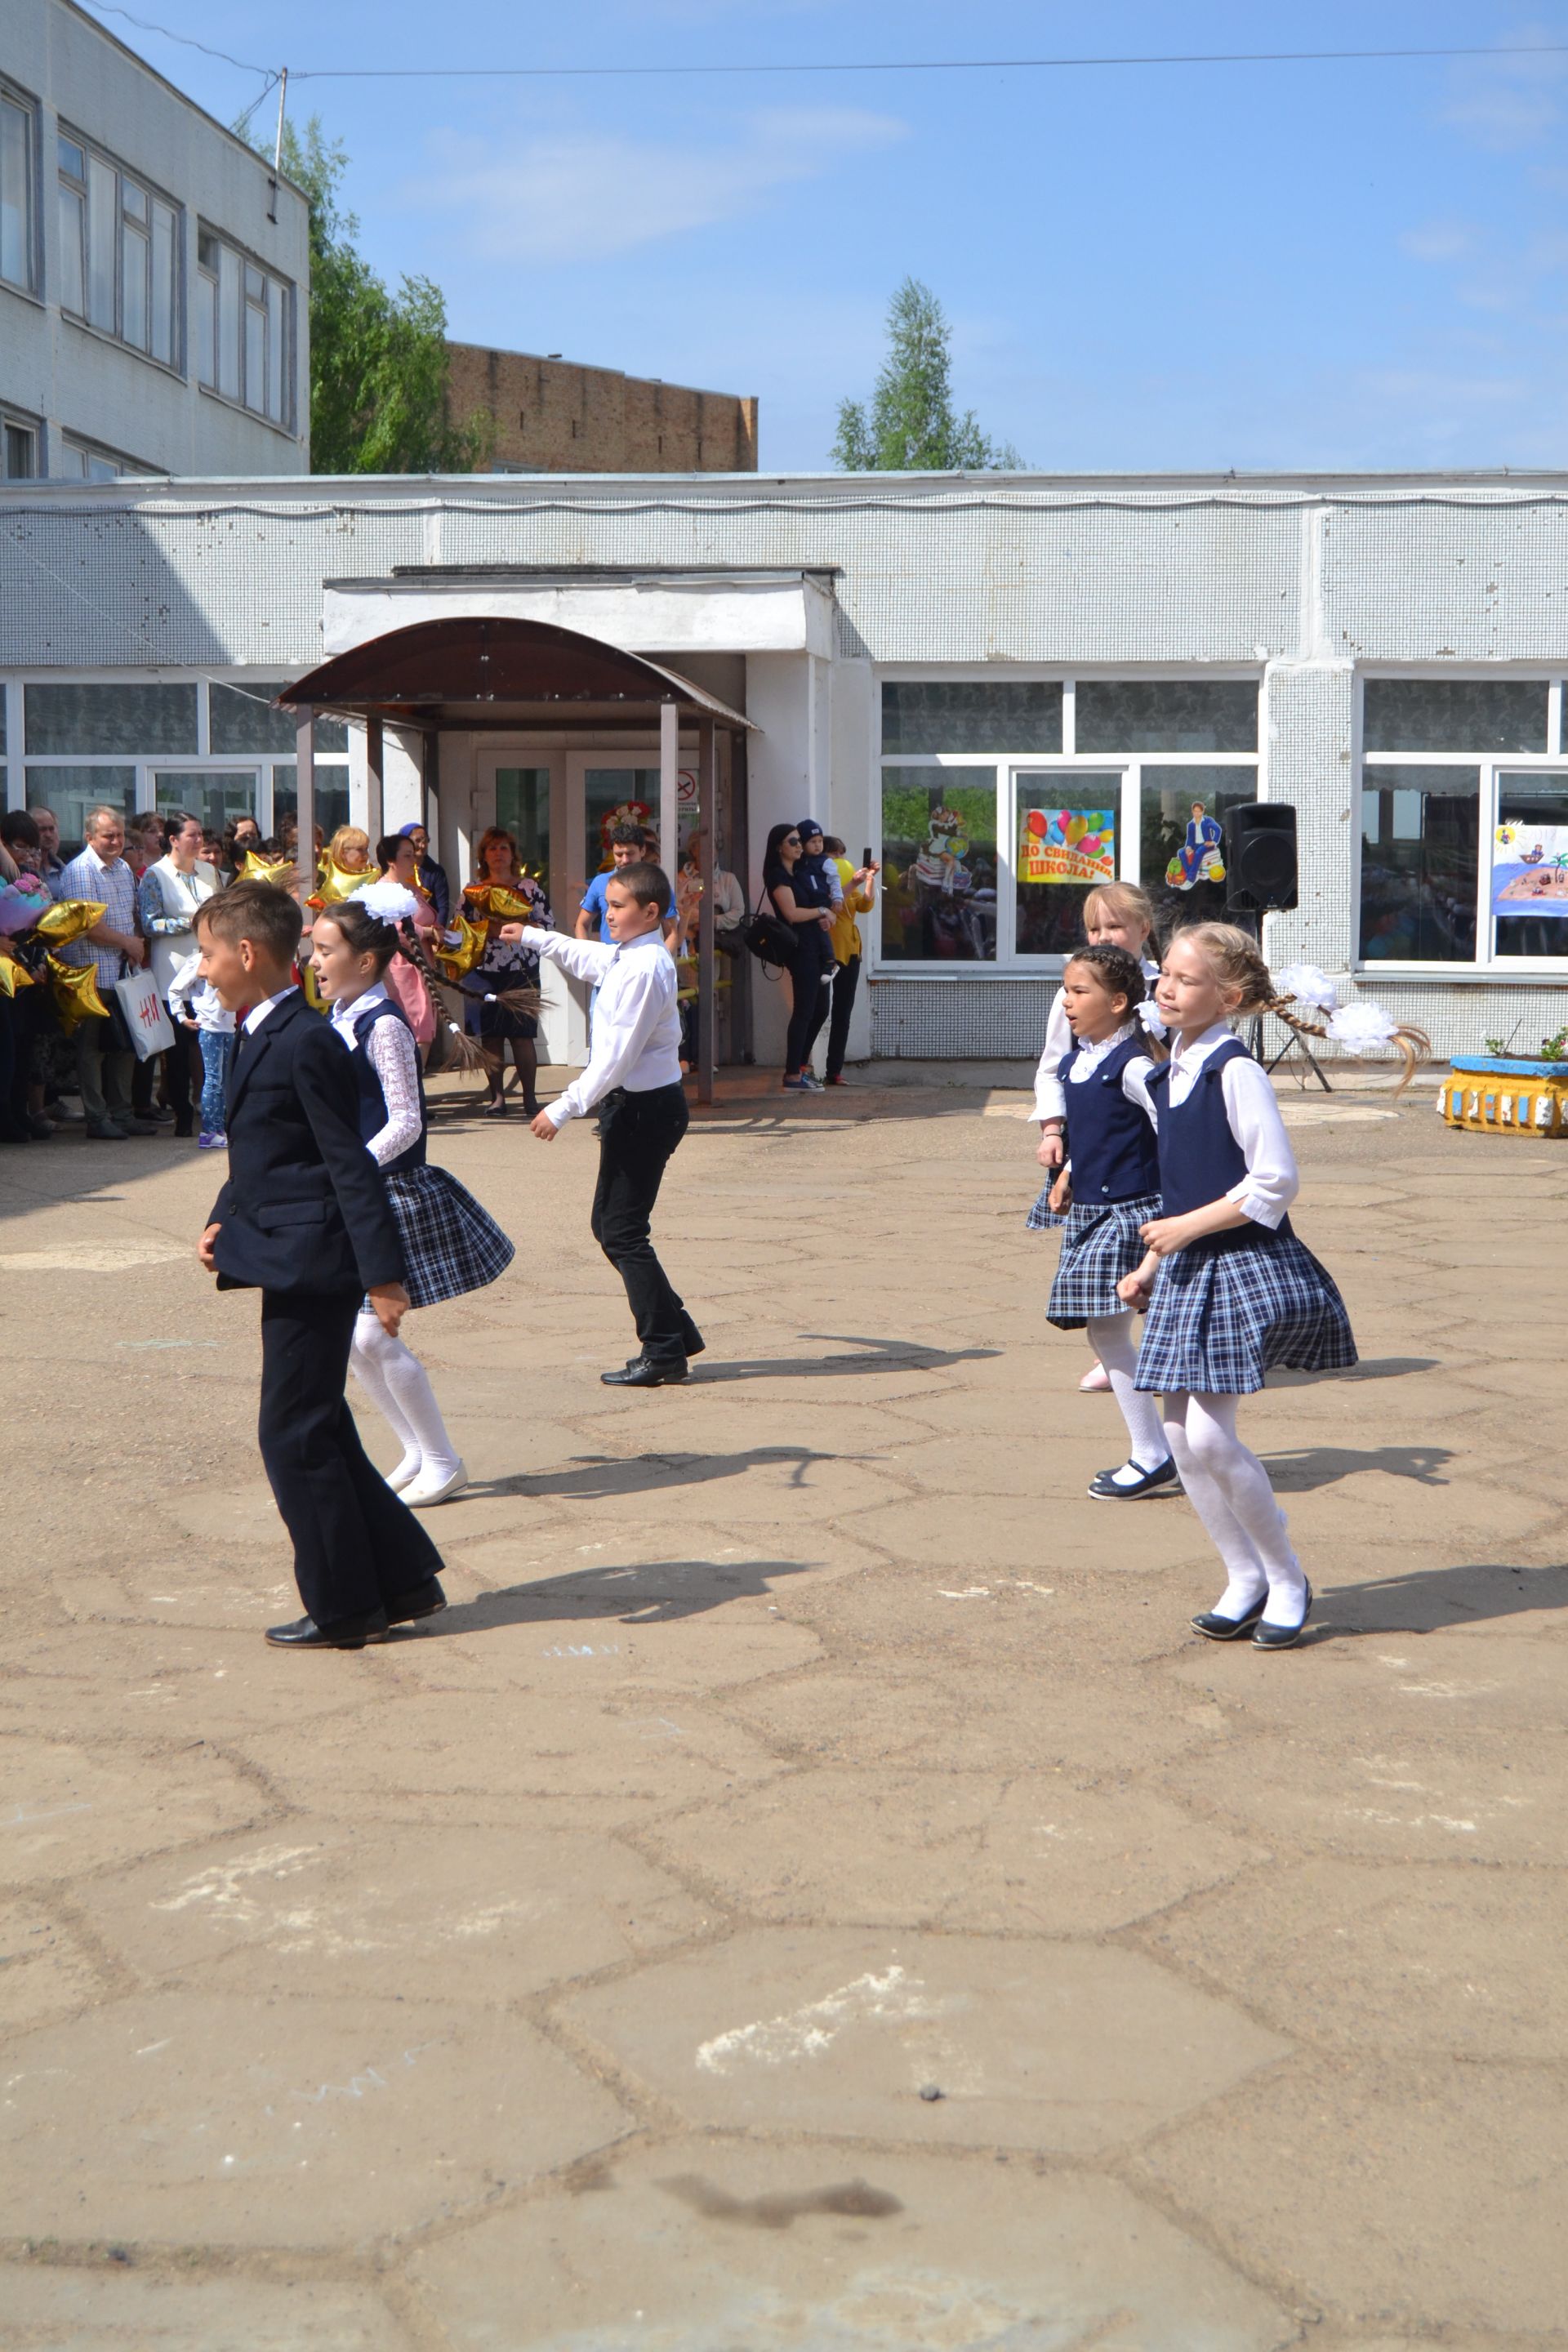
1220	1318
1100	1245
450	1244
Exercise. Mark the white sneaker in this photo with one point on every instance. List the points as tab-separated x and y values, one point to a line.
403	1476
426	1490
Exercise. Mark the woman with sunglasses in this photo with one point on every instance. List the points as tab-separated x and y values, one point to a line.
793	896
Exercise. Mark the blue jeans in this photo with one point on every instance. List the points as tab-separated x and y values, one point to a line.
214	1074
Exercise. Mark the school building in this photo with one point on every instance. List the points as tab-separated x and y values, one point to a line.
1005	686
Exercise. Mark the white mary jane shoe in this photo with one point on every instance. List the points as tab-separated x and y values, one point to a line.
399	1478
426	1491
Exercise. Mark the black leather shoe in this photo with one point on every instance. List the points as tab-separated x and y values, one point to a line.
342	1633
642	1374
1215	1628
425	1599
1283	1637
1105	1488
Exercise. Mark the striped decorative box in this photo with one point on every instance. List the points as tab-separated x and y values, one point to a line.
1506	1098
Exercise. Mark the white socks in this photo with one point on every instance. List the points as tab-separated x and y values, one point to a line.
400	1388
1229	1488
1111	1337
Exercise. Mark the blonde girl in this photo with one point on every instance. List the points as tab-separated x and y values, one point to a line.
1230	1290
1118	915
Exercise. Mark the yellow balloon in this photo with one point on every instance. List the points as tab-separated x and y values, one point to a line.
69	918
277	872
1077	827
454	961
76	994
13	976
338	883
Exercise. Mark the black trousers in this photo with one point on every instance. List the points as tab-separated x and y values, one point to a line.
638	1134
355	1544
845	979
808	977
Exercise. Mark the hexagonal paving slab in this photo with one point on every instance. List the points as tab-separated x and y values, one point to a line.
1059	2046
43	1971
1032	1854
190	2117
68	1808
711	2245
49	2308
485	1915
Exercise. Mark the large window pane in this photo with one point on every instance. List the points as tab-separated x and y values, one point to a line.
1453	714
1066	843
71	792
277	404
971	715
246	722
331	797
1420	848
163	335
523	807
72	225
228	319
609	793
15	193
939	865
140	720
255	344
1167	714
1530	865
212	794
1183	830
135	265
101	222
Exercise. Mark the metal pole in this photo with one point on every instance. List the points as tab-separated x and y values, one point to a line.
305	802
282	102
707	826
375	771
669	786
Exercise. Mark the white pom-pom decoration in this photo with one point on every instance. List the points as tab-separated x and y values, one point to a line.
389	900
1362	1026
1149	1014
1308	985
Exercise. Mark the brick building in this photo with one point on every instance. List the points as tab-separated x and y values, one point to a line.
554	417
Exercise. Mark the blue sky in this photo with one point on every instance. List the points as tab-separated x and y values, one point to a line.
1200	267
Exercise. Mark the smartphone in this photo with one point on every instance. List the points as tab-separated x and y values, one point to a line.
865	856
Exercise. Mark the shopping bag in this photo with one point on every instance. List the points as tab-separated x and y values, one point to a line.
152	1031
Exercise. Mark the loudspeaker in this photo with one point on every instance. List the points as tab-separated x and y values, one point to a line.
1260	857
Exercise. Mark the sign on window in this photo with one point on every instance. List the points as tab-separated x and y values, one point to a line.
1068	845
1530	870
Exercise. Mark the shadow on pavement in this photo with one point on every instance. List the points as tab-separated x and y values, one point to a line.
1324	1465
1432	1599
876	1356
1371	1367
598	1477
653	1592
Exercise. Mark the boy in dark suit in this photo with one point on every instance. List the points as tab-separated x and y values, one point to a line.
304	1219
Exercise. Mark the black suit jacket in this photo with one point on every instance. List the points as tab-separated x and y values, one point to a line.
305	1206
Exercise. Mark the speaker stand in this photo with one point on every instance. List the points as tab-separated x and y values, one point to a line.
1294	1044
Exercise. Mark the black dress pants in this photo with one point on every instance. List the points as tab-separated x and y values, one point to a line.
637	1135
845	979
808	978
355	1545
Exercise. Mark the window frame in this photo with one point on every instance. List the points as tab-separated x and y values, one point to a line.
16	420
287	317
1486	965
12	94
1009	765
157	197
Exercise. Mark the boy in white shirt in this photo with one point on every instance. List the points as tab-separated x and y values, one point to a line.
634	1074
196	1004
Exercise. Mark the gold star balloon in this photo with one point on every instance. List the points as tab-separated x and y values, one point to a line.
69	920
76	993
278	873
338	883
13	976
456	958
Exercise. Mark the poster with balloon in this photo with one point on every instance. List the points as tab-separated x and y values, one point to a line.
1067	845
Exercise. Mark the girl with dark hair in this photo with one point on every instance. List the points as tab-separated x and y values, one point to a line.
241	835
502	989
796	900
450	1244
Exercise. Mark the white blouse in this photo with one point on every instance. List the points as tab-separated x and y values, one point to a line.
392	1054
1049	1100
1271	1182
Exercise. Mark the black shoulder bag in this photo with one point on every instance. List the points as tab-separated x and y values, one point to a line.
769	937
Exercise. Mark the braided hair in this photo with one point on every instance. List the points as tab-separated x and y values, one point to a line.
1119	973
1237	961
363	932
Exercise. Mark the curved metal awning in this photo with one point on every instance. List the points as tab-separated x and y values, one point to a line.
440	670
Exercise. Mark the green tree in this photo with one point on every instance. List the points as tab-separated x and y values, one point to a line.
379	363
913	426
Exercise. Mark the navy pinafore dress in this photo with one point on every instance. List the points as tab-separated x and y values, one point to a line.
1115	1188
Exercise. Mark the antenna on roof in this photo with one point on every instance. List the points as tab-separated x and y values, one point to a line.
282	102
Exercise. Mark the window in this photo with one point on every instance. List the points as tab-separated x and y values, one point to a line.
244	331
940	715
1420	859
119	256
1166	715
939	865
1455	714
19	230
1183	823
71	792
1068	821
331	796
1529	865
244	720
522	809
76	721
18	449
84	461
215	794
607	794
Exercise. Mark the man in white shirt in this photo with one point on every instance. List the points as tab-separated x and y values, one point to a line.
635	1076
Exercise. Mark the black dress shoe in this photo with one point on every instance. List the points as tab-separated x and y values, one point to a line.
642	1374
1283	1637
425	1599
342	1633
1215	1628
1107	1487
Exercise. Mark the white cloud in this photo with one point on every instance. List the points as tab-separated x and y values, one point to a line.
581	195
1506	103
1439	241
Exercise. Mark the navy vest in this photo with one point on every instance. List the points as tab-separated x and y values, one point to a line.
1110	1141
1200	1159
371	1102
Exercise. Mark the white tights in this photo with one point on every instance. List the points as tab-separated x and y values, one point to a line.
1111	1337
1229	1488
400	1388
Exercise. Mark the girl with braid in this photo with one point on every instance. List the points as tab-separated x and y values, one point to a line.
1230	1291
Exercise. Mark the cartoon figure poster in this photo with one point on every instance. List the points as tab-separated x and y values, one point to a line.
1067	845
1201	858
1530	870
